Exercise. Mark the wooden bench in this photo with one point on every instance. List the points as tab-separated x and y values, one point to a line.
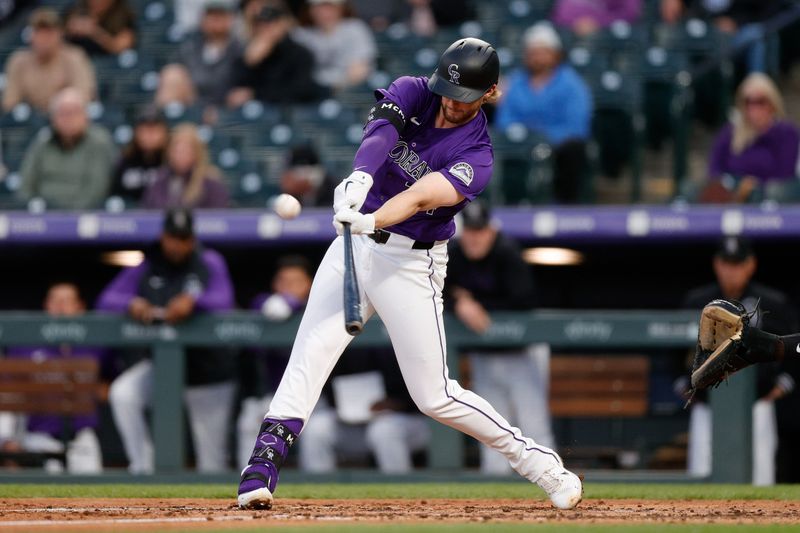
599	386
66	387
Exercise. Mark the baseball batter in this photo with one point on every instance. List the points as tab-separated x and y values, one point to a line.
425	154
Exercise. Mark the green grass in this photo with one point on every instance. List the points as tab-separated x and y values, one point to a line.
403	490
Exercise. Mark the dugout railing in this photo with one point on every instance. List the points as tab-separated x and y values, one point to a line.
563	330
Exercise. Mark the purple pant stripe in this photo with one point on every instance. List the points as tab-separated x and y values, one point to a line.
444	373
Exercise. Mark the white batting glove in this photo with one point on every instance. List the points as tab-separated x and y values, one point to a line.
352	191
359	223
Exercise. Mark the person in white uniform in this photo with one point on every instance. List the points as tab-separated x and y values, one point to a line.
425	154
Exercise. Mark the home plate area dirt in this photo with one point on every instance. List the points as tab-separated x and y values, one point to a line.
121	514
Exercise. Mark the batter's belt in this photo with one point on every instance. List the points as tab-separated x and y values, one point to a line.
382	237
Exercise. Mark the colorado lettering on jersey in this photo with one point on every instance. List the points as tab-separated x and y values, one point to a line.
409	160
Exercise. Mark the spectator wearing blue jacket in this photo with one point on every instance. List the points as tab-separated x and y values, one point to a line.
550	97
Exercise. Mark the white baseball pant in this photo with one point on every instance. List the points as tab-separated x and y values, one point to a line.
404	286
209	407
765	442
391	437
515	383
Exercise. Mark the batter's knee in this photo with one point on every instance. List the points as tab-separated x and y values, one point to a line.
435	408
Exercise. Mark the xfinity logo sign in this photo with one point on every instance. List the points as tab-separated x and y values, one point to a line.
594	330
66	332
228	331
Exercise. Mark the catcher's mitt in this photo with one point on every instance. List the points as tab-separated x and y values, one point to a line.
720	349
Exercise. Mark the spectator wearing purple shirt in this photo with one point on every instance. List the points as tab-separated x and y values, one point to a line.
188	179
759	145
288	294
177	280
585	17
44	433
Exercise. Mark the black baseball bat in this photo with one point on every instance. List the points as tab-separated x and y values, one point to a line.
353	322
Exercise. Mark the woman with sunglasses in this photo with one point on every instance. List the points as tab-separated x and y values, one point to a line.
759	144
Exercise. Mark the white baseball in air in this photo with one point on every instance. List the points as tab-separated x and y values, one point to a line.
286	206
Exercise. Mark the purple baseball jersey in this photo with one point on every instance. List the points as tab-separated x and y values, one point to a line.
462	154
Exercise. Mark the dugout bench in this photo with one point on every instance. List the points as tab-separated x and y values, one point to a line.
66	387
563	330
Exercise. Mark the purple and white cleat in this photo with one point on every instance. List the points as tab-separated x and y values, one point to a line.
260	477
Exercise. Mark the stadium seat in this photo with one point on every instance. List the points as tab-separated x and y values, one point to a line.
250	188
618	124
18	128
176	113
587	61
705	45
523	167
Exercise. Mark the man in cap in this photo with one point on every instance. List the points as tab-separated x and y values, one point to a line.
177	279
550	97
486	273
37	74
734	266
274	68
204	66
425	155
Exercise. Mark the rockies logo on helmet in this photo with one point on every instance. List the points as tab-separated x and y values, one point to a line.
454	74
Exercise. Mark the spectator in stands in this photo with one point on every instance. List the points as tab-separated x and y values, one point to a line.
177	280
486	273
274	68
740	18
69	165
204	67
45	433
759	144
549	96
188	179
306	178
343	47
143	157
424	17
248	12
365	409
189	13
101	26
263	368
585	17
734	266
34	76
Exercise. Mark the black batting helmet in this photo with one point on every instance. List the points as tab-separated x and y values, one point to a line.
467	69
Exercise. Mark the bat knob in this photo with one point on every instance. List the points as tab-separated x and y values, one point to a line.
354	328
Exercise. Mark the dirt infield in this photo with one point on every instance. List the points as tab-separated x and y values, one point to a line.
86	514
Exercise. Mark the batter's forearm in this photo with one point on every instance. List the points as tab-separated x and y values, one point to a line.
398	208
429	192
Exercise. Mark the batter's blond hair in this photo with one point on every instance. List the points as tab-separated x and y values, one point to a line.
743	133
